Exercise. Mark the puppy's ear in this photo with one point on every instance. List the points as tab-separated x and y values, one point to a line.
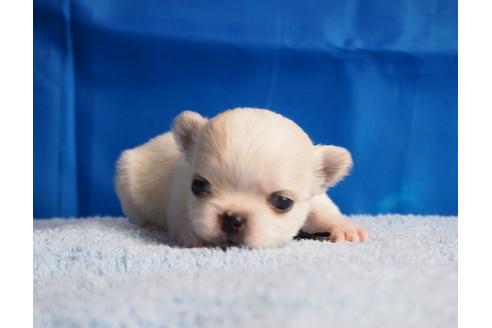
331	165
185	130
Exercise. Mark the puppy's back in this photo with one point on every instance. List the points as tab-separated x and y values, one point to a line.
143	178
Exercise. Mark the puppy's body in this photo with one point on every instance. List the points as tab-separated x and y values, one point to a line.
245	160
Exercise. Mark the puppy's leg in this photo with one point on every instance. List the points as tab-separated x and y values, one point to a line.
324	216
143	177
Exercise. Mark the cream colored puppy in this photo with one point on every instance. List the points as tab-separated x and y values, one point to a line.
247	176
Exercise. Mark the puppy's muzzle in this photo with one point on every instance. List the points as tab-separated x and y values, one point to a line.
232	223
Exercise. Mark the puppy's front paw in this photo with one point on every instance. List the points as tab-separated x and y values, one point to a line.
347	231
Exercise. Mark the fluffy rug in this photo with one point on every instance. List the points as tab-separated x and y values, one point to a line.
105	272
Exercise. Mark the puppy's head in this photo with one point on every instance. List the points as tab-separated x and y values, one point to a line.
253	175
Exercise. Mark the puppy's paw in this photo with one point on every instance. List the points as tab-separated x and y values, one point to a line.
347	231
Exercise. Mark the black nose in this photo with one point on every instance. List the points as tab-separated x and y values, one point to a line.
232	222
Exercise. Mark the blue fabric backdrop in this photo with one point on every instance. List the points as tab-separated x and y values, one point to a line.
378	77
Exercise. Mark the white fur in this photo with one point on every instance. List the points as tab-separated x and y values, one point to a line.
246	154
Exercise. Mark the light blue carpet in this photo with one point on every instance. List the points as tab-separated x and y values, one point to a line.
104	272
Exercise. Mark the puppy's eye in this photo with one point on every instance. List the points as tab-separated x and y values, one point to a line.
200	187
280	203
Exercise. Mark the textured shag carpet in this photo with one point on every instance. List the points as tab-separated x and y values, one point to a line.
105	272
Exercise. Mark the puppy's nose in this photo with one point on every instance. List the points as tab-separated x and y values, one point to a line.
232	222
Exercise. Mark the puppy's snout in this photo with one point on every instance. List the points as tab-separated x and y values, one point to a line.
232	222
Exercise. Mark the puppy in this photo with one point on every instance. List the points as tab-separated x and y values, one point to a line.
245	177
